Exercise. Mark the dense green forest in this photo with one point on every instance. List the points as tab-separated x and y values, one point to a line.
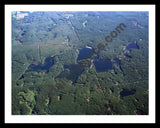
67	86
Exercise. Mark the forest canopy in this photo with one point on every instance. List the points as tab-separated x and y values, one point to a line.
62	64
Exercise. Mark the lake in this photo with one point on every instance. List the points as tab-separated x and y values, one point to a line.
49	61
85	53
103	65
76	69
100	65
129	48
71	72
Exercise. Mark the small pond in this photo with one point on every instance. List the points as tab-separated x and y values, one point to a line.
127	92
132	46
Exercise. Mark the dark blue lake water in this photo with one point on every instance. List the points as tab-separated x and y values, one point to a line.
38	68
132	46
72	72
103	66
85	53
100	65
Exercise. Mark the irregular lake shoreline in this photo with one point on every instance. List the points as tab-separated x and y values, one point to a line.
84	53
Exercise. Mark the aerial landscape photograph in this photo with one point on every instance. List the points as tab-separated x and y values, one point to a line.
80	63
